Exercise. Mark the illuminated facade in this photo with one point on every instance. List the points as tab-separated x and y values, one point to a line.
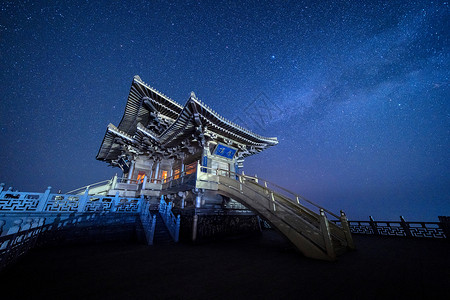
160	146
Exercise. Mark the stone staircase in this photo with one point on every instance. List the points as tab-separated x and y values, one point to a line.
161	235
311	233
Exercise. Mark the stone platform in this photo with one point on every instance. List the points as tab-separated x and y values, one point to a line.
262	266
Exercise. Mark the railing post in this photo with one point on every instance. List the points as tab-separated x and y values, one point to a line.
168	210
116	200
177	229
347	232
141	204
162	206
405	227
373	225
266	191
2	186
152	231
43	200
83	200
114	182
273	201
325	229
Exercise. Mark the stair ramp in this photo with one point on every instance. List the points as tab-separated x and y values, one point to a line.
311	232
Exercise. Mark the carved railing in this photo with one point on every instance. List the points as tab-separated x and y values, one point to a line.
270	186
20	210
81	190
172	222
148	222
15	201
437	230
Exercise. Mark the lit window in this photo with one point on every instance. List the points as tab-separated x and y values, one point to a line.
176	174
140	177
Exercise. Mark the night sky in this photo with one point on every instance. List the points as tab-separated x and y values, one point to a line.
357	92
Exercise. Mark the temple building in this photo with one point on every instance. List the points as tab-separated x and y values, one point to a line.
160	141
158	138
189	158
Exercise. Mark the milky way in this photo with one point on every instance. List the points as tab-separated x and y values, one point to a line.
357	92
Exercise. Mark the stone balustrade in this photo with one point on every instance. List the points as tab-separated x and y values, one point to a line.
15	201
18	206
172	222
402	228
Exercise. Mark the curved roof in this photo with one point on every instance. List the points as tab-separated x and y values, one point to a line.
160	121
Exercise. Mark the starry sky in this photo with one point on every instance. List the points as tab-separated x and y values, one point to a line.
357	92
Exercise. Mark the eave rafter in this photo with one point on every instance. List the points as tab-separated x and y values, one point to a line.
116	131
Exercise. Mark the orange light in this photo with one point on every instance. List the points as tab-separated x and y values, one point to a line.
140	177
191	168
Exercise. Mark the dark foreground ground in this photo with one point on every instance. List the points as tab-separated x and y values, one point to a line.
258	267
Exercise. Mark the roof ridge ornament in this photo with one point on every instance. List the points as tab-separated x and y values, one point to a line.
193	95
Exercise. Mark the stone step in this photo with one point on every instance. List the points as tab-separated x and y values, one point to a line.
162	235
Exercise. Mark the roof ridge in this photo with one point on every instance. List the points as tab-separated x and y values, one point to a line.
225	120
139	80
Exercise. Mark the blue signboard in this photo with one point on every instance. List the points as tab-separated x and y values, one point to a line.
225	151
205	163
